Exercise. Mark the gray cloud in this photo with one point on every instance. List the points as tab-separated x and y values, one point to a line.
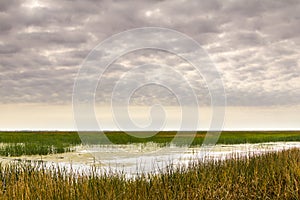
254	44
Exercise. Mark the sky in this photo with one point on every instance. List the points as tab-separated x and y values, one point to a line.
254	45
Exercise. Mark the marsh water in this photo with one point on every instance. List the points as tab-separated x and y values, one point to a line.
135	159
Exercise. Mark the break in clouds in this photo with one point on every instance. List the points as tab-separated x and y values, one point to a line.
255	45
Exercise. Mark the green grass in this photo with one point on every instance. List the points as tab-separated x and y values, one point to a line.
37	143
34	143
238	137
269	176
226	137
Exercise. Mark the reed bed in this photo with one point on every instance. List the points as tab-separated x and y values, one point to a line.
37	142
49	142
32	149
270	176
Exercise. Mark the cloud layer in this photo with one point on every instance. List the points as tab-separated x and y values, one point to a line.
254	44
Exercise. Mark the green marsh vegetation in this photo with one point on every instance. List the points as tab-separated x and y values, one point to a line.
226	137
49	142
36	142
270	176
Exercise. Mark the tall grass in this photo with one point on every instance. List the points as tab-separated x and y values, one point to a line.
226	137
32	149
34	143
37	142
269	176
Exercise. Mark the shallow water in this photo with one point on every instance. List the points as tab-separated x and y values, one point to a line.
146	158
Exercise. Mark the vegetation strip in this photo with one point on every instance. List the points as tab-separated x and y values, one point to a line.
268	176
43	142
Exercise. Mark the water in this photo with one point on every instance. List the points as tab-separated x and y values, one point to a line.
147	158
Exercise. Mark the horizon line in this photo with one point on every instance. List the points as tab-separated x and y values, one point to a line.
115	130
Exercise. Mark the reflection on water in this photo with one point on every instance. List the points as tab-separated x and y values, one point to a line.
147	158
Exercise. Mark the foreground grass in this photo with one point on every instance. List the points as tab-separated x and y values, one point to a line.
269	176
42	143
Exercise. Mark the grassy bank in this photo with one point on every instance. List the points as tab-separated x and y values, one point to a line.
269	176
42	143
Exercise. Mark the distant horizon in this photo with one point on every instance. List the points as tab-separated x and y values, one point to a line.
60	117
172	130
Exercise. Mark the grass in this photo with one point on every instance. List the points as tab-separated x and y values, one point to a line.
37	143
226	137
42	143
268	176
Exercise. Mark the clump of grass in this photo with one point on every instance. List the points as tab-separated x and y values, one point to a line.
32	149
37	142
269	176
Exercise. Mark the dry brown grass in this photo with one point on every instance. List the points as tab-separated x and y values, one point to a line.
270	176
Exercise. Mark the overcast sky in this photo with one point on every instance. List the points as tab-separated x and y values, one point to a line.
255	46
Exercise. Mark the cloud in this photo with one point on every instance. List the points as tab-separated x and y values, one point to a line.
254	44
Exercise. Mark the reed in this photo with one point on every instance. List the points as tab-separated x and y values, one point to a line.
42	143
269	176
37	142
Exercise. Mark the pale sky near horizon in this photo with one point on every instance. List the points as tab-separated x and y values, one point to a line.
255	46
